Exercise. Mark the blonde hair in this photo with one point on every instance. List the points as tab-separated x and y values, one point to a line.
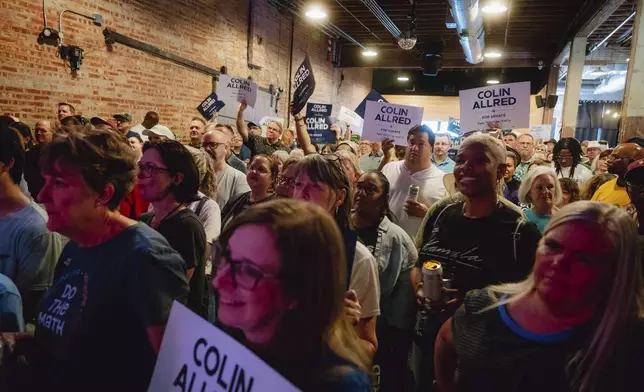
530	178
493	146
350	157
626	303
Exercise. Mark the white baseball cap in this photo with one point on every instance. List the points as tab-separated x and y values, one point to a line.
160	130
594	144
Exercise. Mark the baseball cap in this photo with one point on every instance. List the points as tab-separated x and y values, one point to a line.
130	134
96	121
635	171
123	116
593	144
160	130
252	124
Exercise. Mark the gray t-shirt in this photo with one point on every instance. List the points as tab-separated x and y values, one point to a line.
230	183
237	163
28	251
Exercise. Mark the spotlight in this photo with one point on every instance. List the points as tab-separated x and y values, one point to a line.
608	112
315	12
493	81
369	53
494	7
493	54
615	115
403	79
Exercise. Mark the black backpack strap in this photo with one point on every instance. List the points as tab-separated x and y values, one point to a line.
350	243
428	233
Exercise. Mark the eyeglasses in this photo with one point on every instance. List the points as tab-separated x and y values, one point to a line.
212	144
287	182
147	170
243	273
566	157
259	170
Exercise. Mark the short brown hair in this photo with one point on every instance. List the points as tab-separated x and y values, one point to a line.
71	108
201	120
101	156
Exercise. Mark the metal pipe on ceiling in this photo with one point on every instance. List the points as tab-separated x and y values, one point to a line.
612	33
469	25
386	21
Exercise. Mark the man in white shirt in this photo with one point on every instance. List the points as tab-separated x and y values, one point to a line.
230	182
151	119
415	169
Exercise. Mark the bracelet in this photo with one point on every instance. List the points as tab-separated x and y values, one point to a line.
298	117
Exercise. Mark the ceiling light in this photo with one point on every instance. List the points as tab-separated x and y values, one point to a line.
493	81
316	12
493	54
403	78
608	112
628	59
369	53
494	7
599	72
615	115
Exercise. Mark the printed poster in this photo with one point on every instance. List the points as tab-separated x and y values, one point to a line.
372	96
210	106
390	121
318	123
454	125
501	106
197	356
304	85
234	89
542	131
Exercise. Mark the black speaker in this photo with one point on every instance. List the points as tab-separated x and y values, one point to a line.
552	101
432	63
539	100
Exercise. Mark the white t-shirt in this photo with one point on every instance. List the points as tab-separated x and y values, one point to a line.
582	173
230	183
364	280
210	217
430	182
139	129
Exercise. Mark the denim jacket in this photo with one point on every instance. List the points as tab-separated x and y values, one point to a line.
396	255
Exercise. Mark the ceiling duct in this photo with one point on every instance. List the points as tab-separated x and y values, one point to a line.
469	25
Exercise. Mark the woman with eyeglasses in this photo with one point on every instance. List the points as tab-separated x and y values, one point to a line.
169	180
261	176
99	327
567	157
284	301
396	255
321	179
286	178
574	324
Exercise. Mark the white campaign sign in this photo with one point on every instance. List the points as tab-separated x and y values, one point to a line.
383	120
233	89
349	116
541	131
197	356
502	106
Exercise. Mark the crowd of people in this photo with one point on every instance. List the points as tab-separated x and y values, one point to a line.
313	256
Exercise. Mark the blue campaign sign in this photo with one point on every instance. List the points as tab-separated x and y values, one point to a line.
454	125
210	106
318	123
372	96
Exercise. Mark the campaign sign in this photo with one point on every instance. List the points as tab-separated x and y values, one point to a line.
502	106
372	96
350	117
542	131
389	121
454	125
233	89
318	123
197	356
304	85
210	106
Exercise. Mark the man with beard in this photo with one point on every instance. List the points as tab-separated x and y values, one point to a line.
230	182
415	170
525	146
478	237
614	191
441	149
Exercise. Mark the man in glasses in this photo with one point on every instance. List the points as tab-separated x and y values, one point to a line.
614	191
123	122
230	182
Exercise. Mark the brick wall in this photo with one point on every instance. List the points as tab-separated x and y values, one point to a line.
210	32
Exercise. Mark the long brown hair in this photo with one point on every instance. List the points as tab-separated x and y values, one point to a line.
316	279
